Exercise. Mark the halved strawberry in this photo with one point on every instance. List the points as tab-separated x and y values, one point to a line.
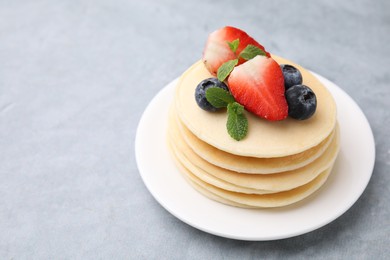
217	51
258	85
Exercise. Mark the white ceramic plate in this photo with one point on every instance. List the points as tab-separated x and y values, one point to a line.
347	182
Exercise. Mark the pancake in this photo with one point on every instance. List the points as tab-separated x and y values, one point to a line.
205	176
254	200
204	191
250	165
214	197
265	139
252	183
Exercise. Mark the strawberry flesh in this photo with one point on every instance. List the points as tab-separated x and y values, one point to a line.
217	51
258	85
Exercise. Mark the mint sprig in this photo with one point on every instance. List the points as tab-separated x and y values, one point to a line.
251	51
225	69
237	123
233	45
219	97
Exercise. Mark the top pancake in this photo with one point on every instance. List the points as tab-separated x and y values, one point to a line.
265	139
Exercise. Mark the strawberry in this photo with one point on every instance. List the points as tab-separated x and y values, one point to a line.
258	85
217	51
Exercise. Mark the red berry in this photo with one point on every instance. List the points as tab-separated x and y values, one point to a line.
258	85
217	51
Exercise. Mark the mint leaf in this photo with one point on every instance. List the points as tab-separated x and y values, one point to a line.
234	45
237	124
219	97
225	69
251	51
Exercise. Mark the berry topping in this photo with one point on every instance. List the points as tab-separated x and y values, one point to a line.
200	93
302	102
292	76
258	85
221	47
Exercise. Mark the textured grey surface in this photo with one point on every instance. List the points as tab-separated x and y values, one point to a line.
75	77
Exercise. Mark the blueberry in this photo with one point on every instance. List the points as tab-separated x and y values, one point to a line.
200	93
292	76
302	102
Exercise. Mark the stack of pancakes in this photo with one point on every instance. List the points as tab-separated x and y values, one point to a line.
276	164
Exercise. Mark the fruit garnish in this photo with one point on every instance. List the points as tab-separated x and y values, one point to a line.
258	85
302	102
292	76
201	89
219	46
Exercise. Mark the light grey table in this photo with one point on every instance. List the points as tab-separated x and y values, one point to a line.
75	77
